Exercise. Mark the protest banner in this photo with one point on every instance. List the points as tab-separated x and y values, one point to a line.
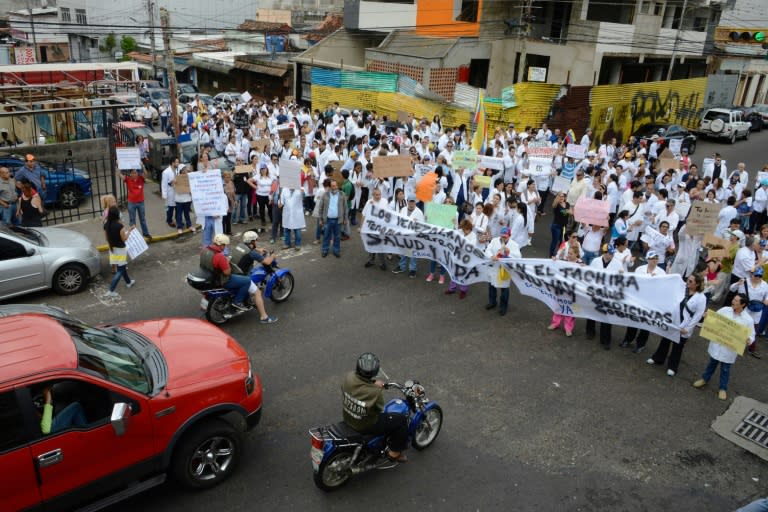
675	145
466	159
135	244
702	218
181	184
207	191
246	96
561	184
483	181
243	169
128	158
540	149
491	162
290	173
260	144
402	117
392	166
725	331
577	151
716	247
591	211
651	303
443	215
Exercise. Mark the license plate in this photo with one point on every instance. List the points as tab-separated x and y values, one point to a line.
204	304
317	457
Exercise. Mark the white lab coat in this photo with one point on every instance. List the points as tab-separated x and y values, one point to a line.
166	186
495	247
720	352
293	208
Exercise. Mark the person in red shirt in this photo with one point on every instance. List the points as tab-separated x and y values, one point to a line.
134	182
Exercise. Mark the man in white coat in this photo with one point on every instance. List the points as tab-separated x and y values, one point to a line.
608	263
292	204
498	248
166	189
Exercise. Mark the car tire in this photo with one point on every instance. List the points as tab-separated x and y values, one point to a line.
207	455
70	196
70	279
733	137
746	135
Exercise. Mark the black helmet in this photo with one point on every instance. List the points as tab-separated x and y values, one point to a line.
368	365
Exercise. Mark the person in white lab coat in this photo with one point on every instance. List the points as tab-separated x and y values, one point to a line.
292	204
167	191
500	247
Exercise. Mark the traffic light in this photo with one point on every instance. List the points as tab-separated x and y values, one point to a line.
747	36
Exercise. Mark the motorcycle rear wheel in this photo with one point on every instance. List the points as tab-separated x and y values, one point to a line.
216	310
428	428
282	288
334	472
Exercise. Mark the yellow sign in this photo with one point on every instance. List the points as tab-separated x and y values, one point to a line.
483	181
728	333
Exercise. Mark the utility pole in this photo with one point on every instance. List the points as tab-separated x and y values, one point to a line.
164	24
151	8
34	35
677	39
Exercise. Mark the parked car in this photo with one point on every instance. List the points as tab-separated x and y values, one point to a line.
182	88
150	84
66	186
127	131
667	132
128	113
724	123
190	98
189	152
33	259
151	399
156	96
763	109
755	118
228	97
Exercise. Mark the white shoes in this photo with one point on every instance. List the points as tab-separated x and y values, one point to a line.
133	282
650	361
111	294
671	373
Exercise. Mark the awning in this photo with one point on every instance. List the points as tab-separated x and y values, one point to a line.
210	66
258	68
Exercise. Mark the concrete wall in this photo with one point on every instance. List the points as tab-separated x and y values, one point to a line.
383	16
94	149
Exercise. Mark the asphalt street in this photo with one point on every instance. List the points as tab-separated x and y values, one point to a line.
533	420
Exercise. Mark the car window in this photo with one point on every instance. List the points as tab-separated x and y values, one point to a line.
712	115
10	250
11	422
75	404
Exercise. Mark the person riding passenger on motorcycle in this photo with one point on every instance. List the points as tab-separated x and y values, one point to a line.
363	406
212	258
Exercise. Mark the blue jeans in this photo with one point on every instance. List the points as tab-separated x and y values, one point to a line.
169	214
238	285
433	267
6	214
296	236
589	256
503	303
332	228
183	208
756	506
411	266
71	416
725	372
209	225
557	238
133	208
241	212
122	272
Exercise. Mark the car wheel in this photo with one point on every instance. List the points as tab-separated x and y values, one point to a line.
207	455
70	279
733	137
70	196
746	135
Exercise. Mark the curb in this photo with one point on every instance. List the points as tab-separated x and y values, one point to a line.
158	238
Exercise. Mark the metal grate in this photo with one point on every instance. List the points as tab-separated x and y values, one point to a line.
754	427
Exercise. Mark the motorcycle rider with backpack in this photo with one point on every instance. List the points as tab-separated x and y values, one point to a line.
363	405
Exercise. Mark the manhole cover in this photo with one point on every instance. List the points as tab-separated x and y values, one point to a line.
754	427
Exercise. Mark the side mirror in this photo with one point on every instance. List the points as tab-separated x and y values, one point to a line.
121	414
30	251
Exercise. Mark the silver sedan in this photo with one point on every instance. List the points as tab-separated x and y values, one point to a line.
33	259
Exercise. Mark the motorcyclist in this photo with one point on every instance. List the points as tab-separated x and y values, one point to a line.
212	258
245	254
363	406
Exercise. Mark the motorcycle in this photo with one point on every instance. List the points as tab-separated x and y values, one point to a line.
275	283
339	452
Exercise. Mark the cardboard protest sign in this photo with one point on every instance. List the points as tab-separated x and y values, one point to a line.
260	144
336	164
466	159
289	99
443	215
561	184
402	116
290	174
702	218
591	211
336	174
491	162
243	169
128	158
669	163
135	244
716	247
577	151
261	124
483	181
725	331
392	166
207	189
286	134
181	184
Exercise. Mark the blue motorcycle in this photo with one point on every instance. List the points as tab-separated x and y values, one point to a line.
340	452
275	284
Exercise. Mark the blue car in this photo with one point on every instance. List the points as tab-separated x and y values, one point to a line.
66	186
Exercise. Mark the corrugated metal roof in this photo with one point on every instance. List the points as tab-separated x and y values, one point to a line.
410	87
369	81
258	68
326	77
466	95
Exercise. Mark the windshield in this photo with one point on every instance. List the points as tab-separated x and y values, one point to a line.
28	234
107	355
651	129
160	95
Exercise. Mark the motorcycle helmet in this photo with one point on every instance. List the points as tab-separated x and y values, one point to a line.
221	239
368	365
250	236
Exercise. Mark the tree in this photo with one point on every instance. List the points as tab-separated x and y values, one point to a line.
127	45
109	43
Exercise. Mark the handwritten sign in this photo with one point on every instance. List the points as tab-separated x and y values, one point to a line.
540	149
716	247
260	145
483	181
702	218
669	163
392	166
207	189
135	244
464	159
725	331
443	215
286	134
491	162
181	184
591	211
243	169
561	184
402	116
290	174
675	145
128	158
577	151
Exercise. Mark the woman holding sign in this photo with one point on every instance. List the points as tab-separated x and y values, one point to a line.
756	292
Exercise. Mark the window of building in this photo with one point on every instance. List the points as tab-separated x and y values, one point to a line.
618	11
645	7
658	8
80	17
65	14
469	11
478	72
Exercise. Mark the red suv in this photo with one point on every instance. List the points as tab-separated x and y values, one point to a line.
97	414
